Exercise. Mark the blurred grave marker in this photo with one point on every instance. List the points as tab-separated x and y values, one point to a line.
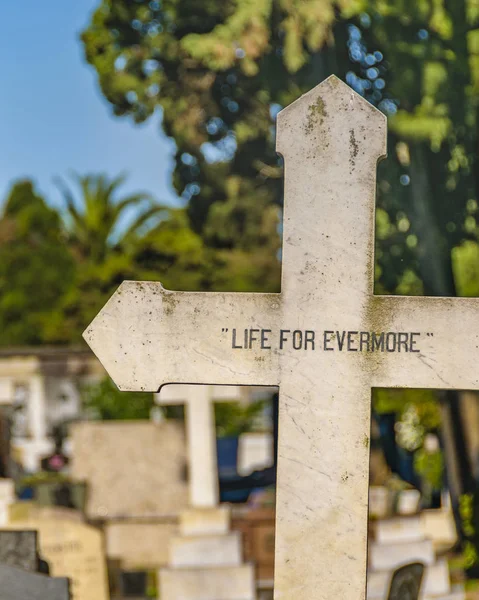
132	469
19	549
201	436
326	340
71	549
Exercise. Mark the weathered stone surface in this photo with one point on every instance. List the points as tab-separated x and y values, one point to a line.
398	530
436	579
133	469
406	582
255	452
19	549
16	584
206	551
435	584
201	435
392	556
439	526
326	340
72	550
221	583
139	544
208	521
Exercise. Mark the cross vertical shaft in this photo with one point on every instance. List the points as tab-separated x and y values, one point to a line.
331	140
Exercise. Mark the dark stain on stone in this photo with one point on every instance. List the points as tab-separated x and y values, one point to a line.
169	303
317	112
353	148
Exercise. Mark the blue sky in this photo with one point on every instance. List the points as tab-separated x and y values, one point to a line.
52	116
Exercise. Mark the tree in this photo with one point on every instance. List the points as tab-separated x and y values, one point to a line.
219	70
95	220
417	62
104	401
36	267
105	230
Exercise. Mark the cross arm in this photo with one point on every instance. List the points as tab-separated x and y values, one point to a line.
146	336
446	345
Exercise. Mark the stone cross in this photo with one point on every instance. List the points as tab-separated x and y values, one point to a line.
200	426
326	340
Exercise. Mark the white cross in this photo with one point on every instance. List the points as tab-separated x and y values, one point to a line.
200	427
326	340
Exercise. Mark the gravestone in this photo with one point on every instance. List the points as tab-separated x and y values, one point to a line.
201	435
326	340
406	582
16	584
139	543
19	549
132	469
72	550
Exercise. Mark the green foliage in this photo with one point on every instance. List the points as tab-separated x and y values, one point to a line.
93	220
398	400
104	401
430	180
219	71
469	514
430	466
232	418
36	267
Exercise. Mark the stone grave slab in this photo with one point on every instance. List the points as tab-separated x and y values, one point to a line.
255	452
19	549
225	583
72	550
139	544
435	583
200	425
137	469
439	526
392	556
406	583
398	530
218	550
436	579
209	521
16	584
326	340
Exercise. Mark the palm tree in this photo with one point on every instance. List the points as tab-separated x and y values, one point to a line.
95	220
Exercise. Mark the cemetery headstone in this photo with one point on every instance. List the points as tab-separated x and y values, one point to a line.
72	550
19	549
132	469
326	340
406	582
201	436
16	584
139	544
